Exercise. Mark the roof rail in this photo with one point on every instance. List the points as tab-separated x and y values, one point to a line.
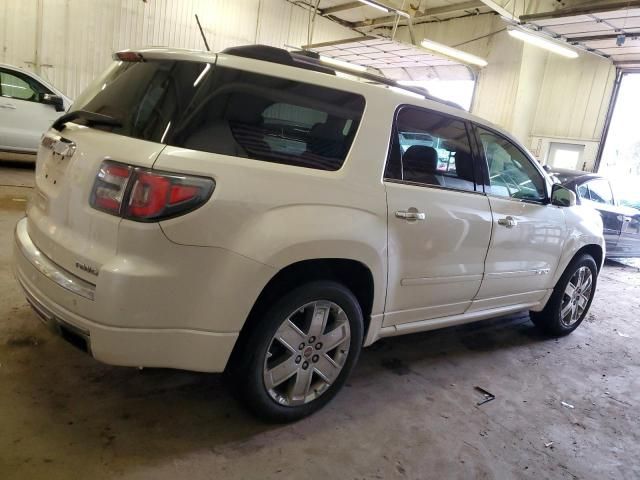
310	60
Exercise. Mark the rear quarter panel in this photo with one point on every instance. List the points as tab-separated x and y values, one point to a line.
280	214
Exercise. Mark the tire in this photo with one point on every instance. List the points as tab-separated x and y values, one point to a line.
319	367
565	311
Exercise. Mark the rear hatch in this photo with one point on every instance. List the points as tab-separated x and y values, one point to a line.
142	96
62	224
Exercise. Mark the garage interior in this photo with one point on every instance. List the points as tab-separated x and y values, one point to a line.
415	406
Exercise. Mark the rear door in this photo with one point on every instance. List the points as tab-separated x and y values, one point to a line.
528	232
630	237
23	117
439	225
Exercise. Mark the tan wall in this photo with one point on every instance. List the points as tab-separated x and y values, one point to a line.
539	96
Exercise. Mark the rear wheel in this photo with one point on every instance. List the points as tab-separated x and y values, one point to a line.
571	298
301	352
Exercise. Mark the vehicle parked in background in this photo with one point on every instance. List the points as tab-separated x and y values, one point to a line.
244	212
28	107
621	223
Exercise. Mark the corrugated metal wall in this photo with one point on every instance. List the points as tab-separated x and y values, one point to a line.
76	38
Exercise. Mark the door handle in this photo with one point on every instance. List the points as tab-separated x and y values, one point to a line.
411	215
627	219
508	222
7	105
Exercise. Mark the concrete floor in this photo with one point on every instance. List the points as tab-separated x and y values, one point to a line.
409	410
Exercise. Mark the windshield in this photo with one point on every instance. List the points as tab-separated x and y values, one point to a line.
227	111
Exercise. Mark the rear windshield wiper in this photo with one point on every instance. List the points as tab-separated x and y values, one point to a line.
90	118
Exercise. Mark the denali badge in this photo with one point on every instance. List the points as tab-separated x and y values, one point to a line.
87	268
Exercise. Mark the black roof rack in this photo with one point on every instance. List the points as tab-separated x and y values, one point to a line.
311	61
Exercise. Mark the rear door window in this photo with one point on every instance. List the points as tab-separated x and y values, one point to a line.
230	112
432	149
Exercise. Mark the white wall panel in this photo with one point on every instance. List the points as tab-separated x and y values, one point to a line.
78	37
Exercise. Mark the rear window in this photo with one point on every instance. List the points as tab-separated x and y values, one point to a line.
227	111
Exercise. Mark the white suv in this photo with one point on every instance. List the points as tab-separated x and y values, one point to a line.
255	213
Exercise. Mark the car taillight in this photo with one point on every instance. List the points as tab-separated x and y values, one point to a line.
147	195
110	186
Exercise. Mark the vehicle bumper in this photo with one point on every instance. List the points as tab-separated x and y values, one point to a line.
71	307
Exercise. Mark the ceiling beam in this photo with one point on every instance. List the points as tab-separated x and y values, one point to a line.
581	10
429	12
498	8
340	8
459	7
607	36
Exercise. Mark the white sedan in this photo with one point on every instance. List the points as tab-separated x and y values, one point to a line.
28	106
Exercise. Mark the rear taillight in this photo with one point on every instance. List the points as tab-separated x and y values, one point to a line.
146	195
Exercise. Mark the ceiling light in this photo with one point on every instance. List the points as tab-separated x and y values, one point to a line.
375	5
342	64
538	41
453	53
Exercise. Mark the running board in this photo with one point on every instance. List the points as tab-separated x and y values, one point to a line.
453	320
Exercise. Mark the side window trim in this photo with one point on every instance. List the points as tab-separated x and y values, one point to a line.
485	165
470	137
480	163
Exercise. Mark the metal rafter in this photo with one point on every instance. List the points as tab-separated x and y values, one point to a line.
430	12
500	9
581	10
340	8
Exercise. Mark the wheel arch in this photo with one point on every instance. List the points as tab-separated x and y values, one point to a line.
594	251
354	274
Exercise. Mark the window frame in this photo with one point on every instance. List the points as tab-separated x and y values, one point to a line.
477	171
29	81
485	165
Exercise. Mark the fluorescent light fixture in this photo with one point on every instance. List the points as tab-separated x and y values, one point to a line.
375	5
453	53
538	41
342	64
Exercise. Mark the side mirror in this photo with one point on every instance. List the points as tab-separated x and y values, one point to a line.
562	196
55	100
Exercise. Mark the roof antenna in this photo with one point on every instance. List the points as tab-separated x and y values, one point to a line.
202	33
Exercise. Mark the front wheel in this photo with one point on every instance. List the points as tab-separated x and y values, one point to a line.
571	298
300	353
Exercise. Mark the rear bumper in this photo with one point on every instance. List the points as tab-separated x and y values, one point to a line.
63	300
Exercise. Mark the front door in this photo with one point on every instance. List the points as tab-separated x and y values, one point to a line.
528	232
439	226
597	194
23	116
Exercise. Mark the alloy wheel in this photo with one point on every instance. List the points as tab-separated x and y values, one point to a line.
576	296
307	353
